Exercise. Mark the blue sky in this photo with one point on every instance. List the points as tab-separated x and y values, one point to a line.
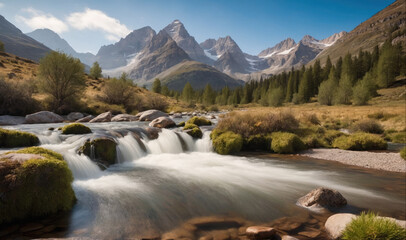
254	24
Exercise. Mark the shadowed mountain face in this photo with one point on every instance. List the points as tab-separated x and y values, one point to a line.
53	41
179	34
18	43
118	54
372	32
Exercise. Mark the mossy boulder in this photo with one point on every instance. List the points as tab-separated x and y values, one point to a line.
75	128
104	151
14	138
34	187
181	124
361	142
257	142
283	142
403	153
193	130
199	121
227	142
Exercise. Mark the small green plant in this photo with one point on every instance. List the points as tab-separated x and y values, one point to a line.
283	142
199	121
227	143
368	226
403	153
14	138
361	142
76	128
368	126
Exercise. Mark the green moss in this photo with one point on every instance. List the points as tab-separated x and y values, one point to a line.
403	153
283	142
41	151
396	137
199	121
193	130
14	138
227	143
370	227
257	142
215	133
36	187
181	124
75	128
104	150
360	141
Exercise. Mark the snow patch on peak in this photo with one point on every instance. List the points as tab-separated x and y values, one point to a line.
286	51
208	54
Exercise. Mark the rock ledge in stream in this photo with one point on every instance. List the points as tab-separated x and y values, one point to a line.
104	151
43	117
322	197
162	122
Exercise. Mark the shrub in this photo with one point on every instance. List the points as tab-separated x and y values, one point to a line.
360	141
396	137
14	138
213	108
227	143
368	126
283	142
36	187
118	91
403	153
369	226
76	128
199	121
252	123
257	142
310	118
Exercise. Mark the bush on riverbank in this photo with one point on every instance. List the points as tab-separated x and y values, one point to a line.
199	121
193	130
370	226
227	142
283	142
35	187
257	142
317	137
252	123
368	126
360	141
76	128
395	137
403	153
14	138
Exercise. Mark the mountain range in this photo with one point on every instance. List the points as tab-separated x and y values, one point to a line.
176	57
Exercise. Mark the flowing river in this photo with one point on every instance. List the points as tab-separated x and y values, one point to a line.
159	184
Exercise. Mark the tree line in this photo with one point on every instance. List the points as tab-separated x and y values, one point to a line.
353	79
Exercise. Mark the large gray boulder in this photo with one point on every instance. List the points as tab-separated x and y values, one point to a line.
124	118
104	117
43	117
162	122
11	120
150	115
73	116
336	224
322	197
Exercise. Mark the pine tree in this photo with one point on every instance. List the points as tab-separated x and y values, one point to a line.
317	76
165	91
305	86
156	86
187	93
289	89
208	95
364	90
96	71
327	68
387	65
339	65
348	69
344	92
327	89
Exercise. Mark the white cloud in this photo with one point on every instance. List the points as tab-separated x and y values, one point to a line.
38	19
98	20
1	5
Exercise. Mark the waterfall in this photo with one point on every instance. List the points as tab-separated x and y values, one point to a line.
204	144
81	165
167	142
50	137
129	149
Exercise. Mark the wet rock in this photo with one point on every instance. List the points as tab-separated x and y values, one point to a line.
11	120
31	227
310	233
43	117
177	115
85	119
162	122
104	151
124	118
152	133
287	237
260	232
104	117
20	157
322	197
150	115
73	116
336	224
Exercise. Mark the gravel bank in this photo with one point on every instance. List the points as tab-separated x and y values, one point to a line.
383	161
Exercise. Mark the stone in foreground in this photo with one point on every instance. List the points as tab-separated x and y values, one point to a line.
124	118
162	122
43	117
150	115
322	197
260	232
336	224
